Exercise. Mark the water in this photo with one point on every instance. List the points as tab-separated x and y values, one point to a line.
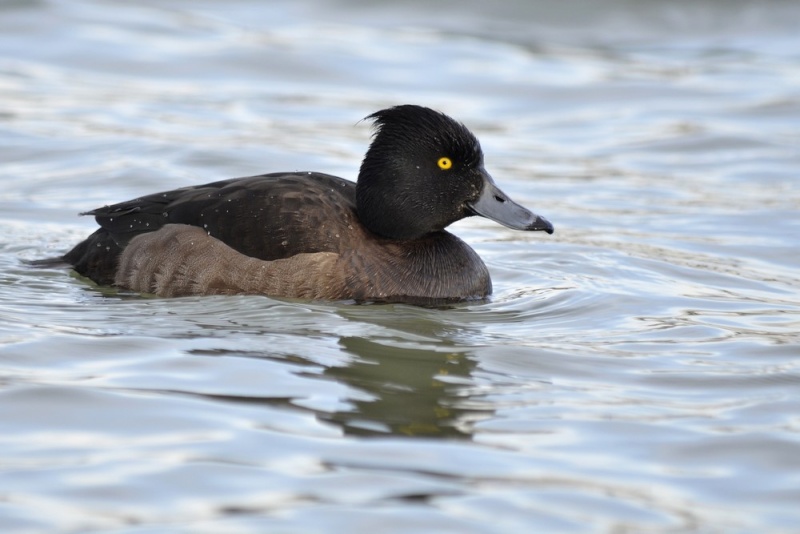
635	372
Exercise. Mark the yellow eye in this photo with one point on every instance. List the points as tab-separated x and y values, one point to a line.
444	163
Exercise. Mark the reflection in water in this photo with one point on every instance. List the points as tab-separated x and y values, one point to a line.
390	389
410	396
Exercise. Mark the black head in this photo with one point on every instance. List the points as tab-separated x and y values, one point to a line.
424	171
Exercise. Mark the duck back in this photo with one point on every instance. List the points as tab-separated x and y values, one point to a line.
268	217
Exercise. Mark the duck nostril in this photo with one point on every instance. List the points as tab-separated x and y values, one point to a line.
499	199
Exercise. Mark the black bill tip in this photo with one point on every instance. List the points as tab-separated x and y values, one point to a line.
541	224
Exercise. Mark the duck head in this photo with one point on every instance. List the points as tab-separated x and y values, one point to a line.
423	172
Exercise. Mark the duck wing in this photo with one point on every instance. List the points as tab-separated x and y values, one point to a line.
270	216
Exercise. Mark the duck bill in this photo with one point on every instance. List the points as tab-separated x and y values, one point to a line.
497	206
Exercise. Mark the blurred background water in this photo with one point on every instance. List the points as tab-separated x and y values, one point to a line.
635	372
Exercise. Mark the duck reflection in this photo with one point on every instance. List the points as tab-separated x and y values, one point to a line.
406	370
414	391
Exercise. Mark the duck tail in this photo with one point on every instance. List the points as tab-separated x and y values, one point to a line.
57	262
95	257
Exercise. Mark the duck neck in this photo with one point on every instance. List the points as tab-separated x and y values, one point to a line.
390	212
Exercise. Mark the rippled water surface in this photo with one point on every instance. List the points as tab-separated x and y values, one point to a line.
635	372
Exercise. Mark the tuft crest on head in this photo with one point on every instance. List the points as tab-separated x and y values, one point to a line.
426	129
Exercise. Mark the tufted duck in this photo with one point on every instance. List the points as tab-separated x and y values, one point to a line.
310	235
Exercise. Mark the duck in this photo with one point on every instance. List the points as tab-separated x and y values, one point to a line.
314	236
